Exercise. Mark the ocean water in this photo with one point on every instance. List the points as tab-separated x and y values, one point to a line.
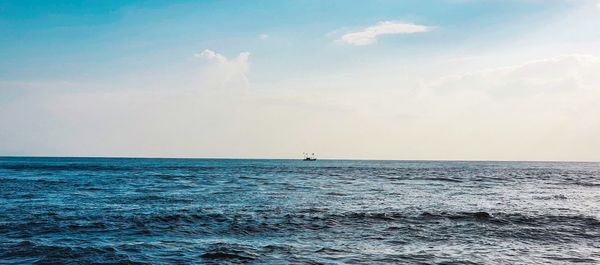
186	211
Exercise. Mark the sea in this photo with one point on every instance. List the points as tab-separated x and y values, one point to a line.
232	211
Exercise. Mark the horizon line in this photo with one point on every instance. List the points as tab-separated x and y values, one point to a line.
300	159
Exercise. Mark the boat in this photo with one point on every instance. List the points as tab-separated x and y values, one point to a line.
310	157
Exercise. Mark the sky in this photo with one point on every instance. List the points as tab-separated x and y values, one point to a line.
381	79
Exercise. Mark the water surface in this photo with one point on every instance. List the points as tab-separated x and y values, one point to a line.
181	211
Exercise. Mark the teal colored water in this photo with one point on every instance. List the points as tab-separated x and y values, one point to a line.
186	211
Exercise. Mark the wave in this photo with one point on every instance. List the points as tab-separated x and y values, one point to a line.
56	254
231	252
199	222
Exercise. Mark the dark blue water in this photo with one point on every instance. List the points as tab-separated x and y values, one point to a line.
181	211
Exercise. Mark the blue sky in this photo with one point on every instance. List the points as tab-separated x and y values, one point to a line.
73	39
68	66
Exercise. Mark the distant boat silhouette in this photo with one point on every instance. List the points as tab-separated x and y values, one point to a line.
310	157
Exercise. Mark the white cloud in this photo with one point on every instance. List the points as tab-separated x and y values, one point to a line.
370	34
227	73
263	36
211	55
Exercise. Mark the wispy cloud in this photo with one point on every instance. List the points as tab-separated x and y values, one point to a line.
557	75
263	36
370	34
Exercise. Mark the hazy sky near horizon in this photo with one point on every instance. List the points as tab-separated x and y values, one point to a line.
382	79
